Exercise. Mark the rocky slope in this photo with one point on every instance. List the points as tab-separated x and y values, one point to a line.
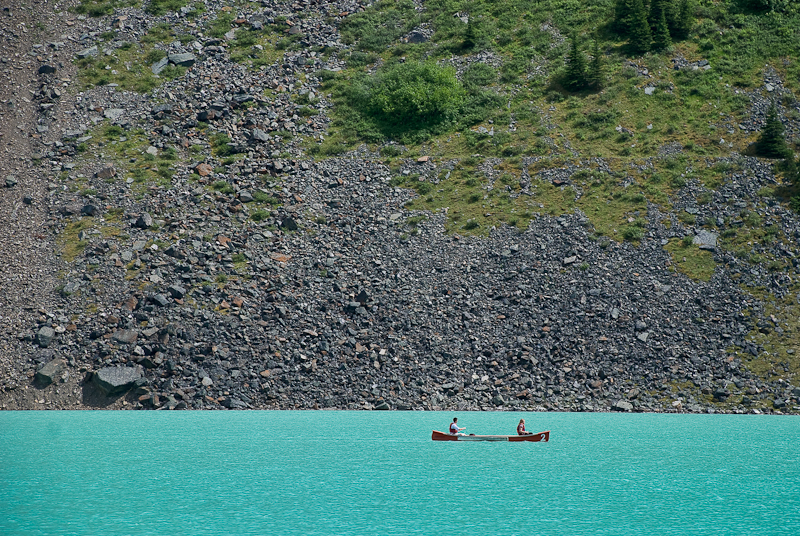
150	263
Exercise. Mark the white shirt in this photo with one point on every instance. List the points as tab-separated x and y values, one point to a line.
453	428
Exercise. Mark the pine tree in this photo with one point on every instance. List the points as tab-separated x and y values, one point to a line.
684	20
791	171
469	36
654	12
622	15
575	78
639	32
661	40
771	143
596	74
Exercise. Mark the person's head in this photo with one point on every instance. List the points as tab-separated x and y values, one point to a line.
455	419
522	421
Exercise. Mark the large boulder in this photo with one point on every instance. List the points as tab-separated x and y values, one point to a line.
622	405
49	372
116	380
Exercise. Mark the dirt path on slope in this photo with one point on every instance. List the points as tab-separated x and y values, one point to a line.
28	265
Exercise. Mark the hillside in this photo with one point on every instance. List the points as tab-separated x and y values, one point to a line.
552	205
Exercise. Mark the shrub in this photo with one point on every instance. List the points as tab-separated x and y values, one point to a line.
478	75
411	94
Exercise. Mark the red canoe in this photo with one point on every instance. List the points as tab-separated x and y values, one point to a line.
441	436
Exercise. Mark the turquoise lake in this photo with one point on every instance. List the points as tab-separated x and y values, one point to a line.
364	473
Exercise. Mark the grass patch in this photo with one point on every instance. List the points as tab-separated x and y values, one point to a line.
69	239
255	48
128	151
160	7
690	260
100	8
129	64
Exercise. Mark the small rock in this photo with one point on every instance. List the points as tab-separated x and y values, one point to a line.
91	51
113	114
144	221
106	172
45	336
125	336
177	291
159	66
259	135
204	170
289	224
160	300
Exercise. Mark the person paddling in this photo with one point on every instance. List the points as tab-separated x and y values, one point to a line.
521	428
454	429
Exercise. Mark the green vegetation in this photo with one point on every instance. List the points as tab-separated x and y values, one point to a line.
159	7
129	63
251	47
69	238
689	260
99	8
221	145
128	151
771	143
609	91
410	95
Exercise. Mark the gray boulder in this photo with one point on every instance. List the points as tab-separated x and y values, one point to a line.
160	300
85	53
705	239
184	60
45	336
125	336
144	221
622	405
259	135
177	291
49	372
106	172
158	66
116	380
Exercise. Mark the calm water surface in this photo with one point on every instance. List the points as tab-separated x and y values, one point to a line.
364	473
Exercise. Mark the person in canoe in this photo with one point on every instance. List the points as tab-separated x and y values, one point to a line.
521	428
454	429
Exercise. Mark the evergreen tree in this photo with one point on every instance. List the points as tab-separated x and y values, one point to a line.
661	39
469	36
596	74
654	12
771	143
639	32
622	15
575	78
791	172
683	21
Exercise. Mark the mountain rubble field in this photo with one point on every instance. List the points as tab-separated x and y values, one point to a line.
251	205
